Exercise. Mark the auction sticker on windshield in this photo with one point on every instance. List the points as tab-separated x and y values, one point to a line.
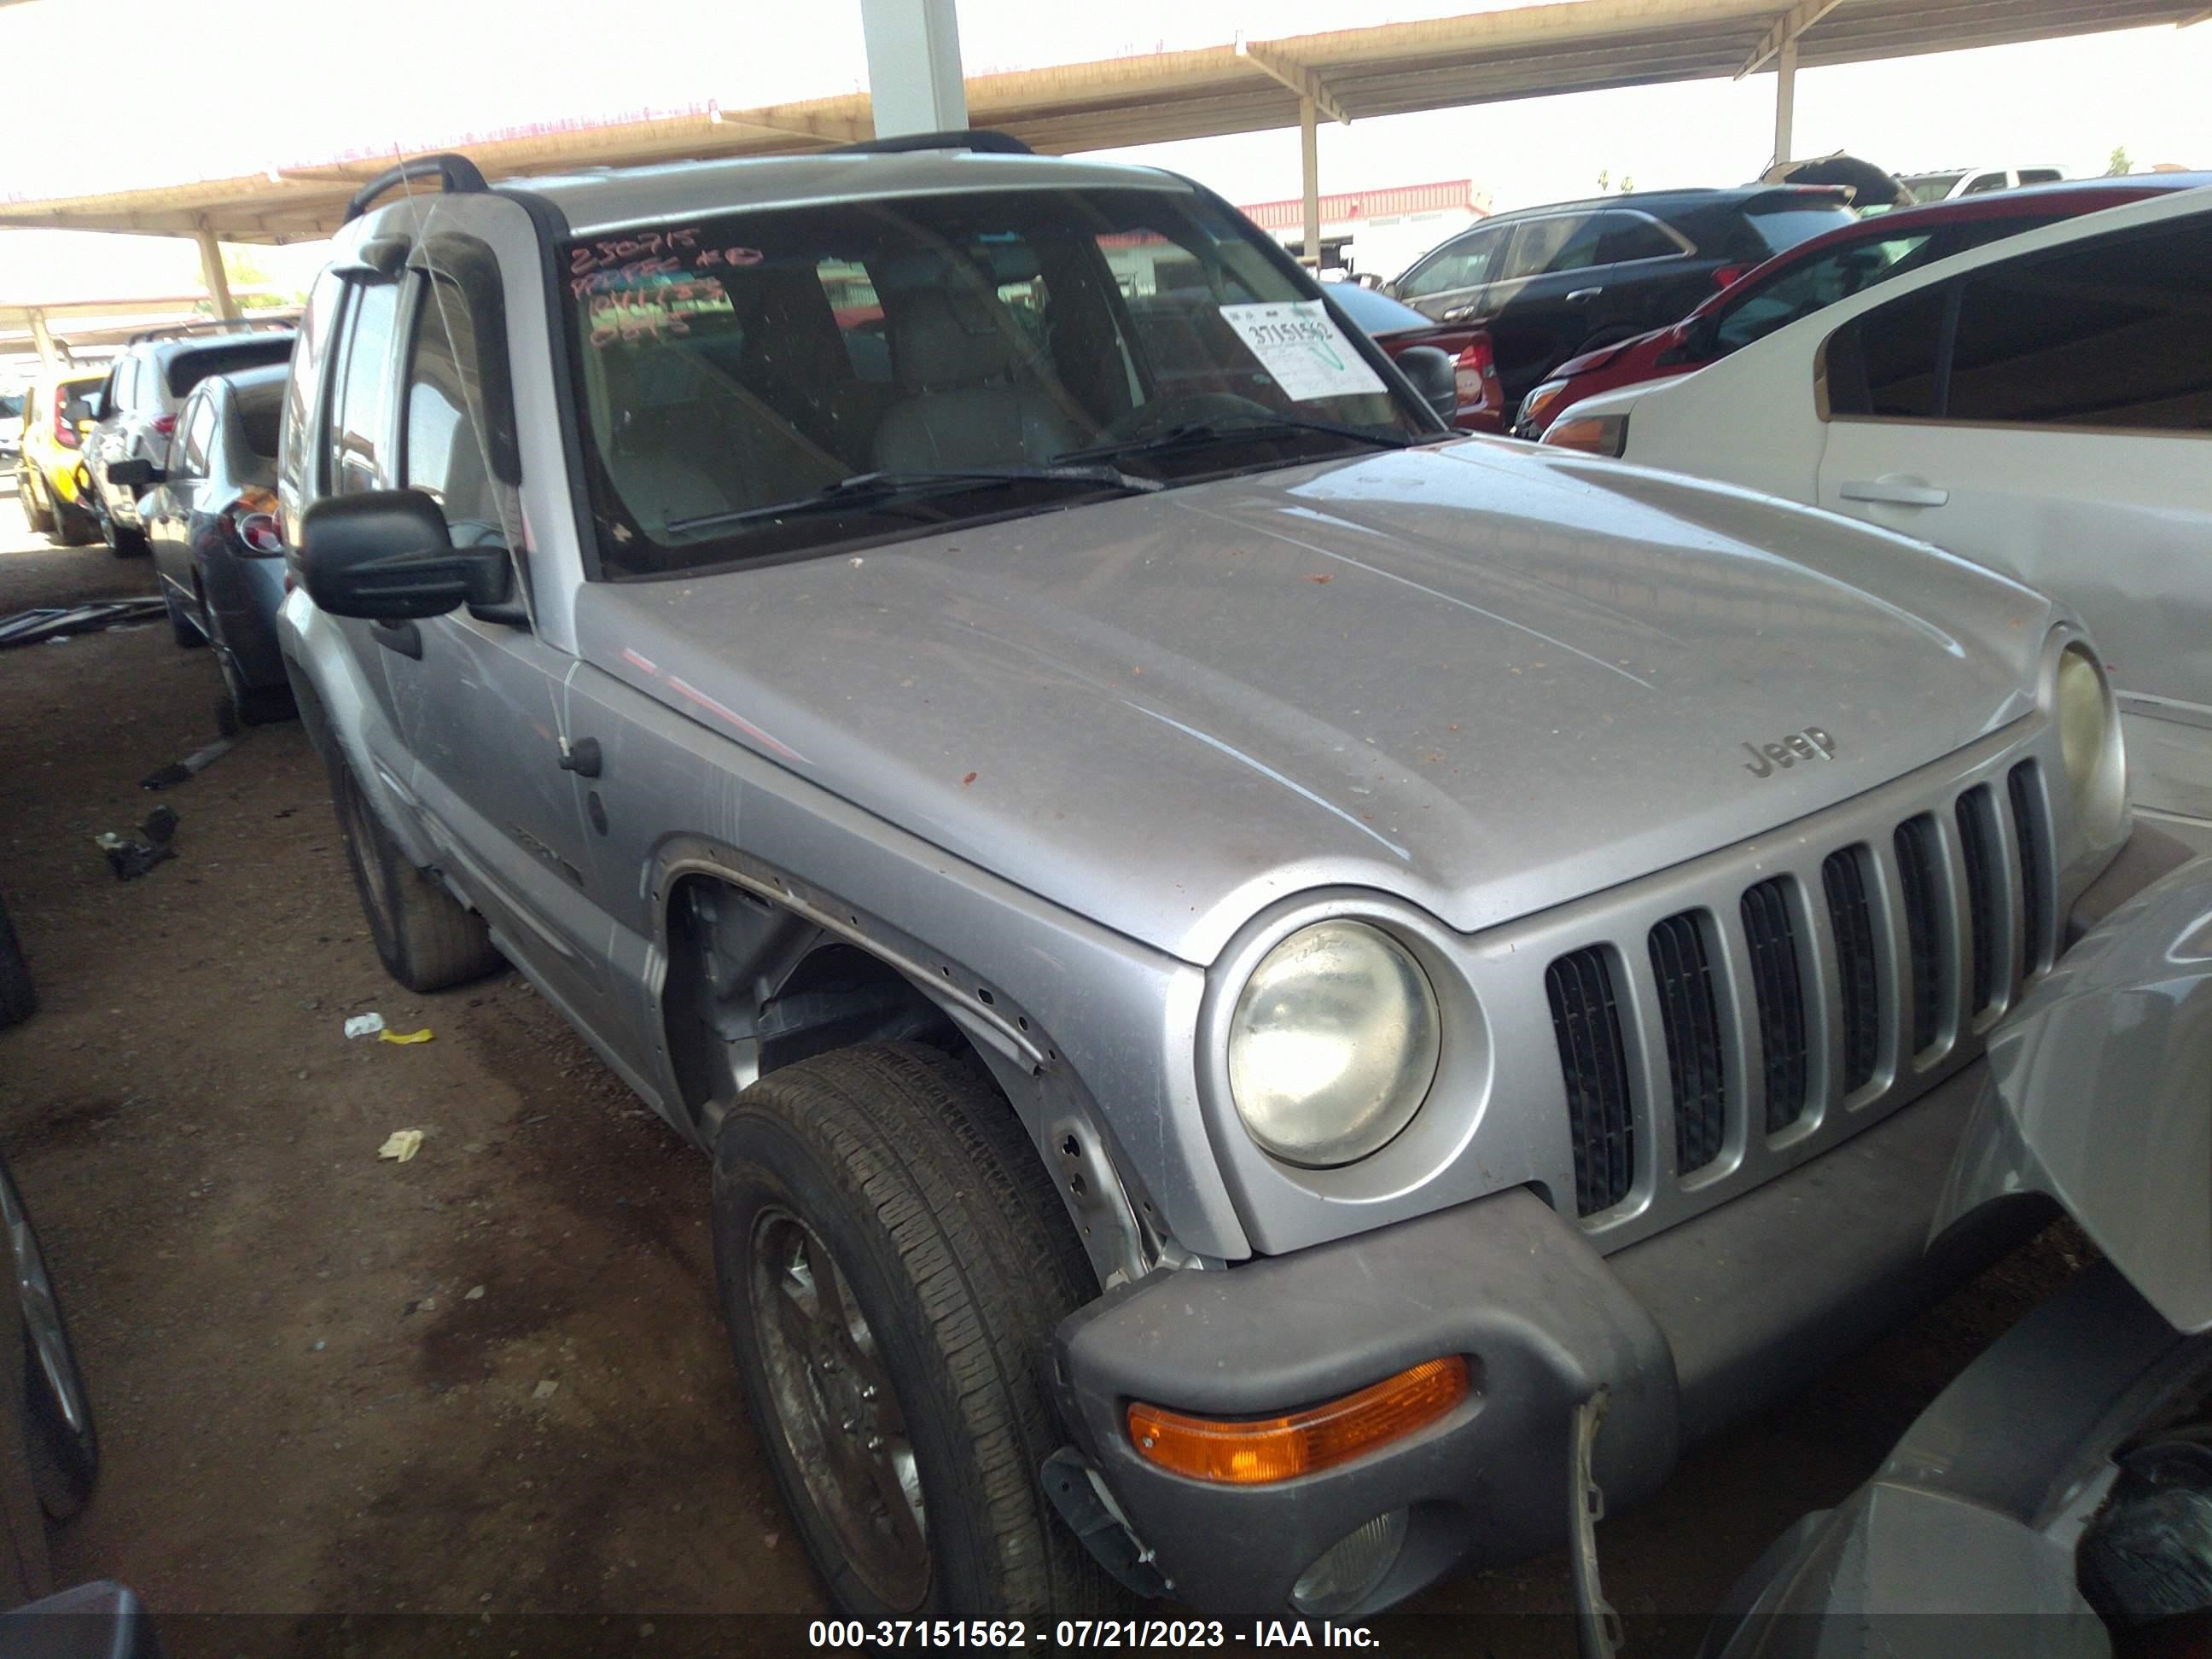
1297	343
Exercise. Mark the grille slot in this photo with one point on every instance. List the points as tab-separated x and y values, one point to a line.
1586	1020
1780	993
1692	1023
2032	832
1977	845
1843	876
1916	871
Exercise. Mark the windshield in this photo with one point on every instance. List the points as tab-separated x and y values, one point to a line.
729	366
1811	285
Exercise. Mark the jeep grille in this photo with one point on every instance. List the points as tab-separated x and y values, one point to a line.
1769	1013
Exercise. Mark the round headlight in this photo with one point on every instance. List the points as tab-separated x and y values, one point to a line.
1334	1045
2086	720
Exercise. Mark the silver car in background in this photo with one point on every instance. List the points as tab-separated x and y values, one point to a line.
1240	961
136	411
209	515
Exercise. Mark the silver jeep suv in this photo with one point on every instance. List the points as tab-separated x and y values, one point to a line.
1240	962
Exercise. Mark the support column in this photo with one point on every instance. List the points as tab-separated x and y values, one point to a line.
213	274
1785	97
1309	167
915	83
48	357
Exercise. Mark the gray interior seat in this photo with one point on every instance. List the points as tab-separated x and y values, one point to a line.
970	401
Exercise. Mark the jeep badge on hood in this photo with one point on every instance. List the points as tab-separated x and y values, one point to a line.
1767	758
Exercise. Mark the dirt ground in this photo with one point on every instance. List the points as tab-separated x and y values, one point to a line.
491	1380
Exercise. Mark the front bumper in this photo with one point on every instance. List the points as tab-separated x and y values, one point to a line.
1685	1331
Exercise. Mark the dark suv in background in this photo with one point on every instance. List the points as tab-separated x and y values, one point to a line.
1552	282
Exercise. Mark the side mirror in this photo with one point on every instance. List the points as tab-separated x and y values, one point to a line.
387	554
1434	376
84	427
1388	290
133	473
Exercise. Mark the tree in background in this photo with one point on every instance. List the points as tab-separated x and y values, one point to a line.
2118	165
244	272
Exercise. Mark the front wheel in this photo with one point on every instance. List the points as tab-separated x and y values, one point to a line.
892	1258
426	938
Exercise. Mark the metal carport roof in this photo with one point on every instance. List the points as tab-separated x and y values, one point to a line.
1523	52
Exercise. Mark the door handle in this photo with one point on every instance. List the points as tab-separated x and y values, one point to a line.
582	758
1458	314
1582	297
1894	492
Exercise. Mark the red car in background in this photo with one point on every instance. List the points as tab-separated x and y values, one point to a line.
1395	327
1818	273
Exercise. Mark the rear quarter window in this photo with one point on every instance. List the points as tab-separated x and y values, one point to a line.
1781	228
188	369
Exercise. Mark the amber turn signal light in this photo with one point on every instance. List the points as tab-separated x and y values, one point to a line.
1257	1452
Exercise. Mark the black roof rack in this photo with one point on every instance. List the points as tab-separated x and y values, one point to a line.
456	173
982	140
251	324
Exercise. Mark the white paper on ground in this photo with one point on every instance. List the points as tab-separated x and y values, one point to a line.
1306	354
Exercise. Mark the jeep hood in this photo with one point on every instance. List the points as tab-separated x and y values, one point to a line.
2100	1095
1487	677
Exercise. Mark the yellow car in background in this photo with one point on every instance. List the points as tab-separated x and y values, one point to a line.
49	476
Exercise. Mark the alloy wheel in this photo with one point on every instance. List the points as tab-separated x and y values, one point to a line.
837	1408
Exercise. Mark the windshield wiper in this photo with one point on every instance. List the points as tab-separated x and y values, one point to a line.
1198	435
864	489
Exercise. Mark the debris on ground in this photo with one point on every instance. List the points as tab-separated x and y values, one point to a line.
476	1294
186	770
57	621
545	1390
401	1144
422	1036
362	1025
132	856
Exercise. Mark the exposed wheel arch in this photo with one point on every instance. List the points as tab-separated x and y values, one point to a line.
758	980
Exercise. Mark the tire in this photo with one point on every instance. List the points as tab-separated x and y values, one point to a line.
181	627
73	525
60	1437
899	1176
36	512
253	705
18	998
426	938
123	544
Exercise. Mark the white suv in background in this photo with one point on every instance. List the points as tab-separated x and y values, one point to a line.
1949	184
2042	405
138	407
